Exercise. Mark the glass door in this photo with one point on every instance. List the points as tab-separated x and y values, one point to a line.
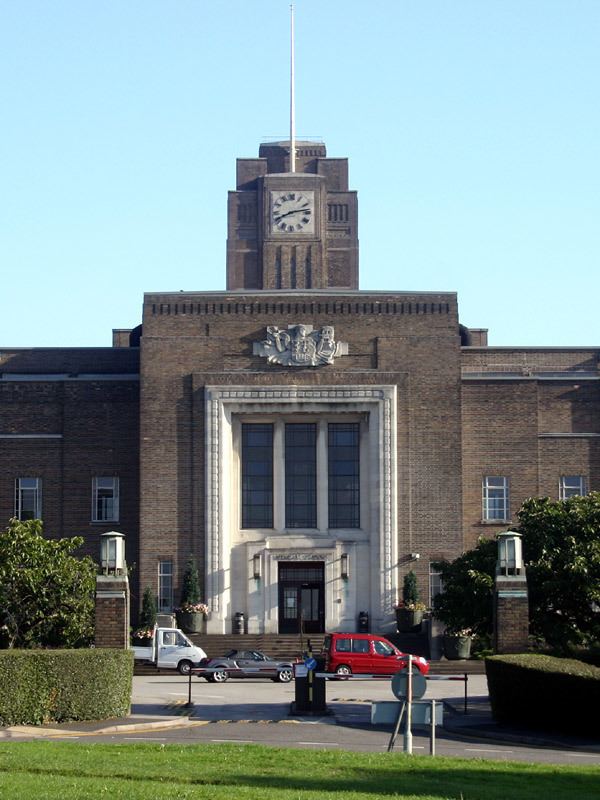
301	597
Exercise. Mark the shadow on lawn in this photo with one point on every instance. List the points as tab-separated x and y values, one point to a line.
473	783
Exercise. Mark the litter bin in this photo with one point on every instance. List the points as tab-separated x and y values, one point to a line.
239	622
363	622
303	702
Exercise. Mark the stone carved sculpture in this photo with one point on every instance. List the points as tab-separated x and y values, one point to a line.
300	346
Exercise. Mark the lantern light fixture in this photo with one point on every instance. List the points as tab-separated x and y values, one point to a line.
256	566
112	553
345	566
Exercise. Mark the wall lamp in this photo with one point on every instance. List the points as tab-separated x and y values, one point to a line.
345	566
256	565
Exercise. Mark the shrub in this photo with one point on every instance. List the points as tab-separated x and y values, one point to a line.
41	686
148	615
46	594
410	589
544	692
190	589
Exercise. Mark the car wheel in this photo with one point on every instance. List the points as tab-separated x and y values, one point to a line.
220	676
184	667
285	675
343	671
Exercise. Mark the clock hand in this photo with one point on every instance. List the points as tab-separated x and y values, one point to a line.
293	211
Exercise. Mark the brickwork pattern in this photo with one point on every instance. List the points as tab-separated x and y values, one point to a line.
542	423
192	340
511	618
112	612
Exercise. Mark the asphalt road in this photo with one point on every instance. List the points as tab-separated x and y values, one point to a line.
257	711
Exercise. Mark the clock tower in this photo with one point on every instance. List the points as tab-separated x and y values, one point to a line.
292	230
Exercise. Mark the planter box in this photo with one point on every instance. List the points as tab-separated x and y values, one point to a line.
457	648
408	621
191	621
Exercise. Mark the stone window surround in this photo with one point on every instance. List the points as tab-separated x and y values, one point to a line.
223	403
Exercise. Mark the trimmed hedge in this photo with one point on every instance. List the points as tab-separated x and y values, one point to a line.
41	686
546	692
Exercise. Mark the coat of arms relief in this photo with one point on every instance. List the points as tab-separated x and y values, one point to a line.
300	346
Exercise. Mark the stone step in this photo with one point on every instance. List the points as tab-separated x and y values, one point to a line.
281	646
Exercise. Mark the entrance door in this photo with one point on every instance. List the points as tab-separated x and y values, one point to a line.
301	597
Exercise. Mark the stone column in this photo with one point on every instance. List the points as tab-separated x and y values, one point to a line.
112	611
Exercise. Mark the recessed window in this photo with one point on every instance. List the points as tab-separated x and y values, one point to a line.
285	464
105	499
301	475
571	486
28	498
165	586
435	584
343	475
495	499
257	476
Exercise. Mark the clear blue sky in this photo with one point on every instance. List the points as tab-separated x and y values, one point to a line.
472	129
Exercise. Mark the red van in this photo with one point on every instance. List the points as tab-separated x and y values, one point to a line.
365	653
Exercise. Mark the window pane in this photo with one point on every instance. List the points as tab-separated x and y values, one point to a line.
257	476
495	498
105	499
344	475
165	586
571	486
301	476
28	498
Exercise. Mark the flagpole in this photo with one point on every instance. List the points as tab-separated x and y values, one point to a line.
292	96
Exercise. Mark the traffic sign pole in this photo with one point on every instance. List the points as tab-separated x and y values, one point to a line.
408	746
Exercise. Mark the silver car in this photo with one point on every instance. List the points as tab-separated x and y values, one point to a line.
244	664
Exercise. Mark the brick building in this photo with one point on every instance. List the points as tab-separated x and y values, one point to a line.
307	442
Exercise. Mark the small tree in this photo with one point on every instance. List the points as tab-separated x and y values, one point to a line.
561	549
190	588
149	610
46	594
410	590
466	602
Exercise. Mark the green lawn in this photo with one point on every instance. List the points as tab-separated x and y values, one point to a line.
65	771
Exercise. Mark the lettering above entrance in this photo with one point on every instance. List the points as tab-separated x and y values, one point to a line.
300	346
298	556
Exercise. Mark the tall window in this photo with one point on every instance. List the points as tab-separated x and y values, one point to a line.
165	586
301	475
28	498
571	486
257	476
495	499
343	474
105	500
435	584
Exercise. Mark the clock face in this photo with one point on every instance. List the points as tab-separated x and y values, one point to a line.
292	212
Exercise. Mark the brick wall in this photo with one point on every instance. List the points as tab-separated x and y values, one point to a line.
67	426
511	616
191	340
112	612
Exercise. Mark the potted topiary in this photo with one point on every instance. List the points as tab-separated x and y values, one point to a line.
457	643
410	610
191	614
143	634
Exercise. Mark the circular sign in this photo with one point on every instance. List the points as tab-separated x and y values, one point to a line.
400	685
310	663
